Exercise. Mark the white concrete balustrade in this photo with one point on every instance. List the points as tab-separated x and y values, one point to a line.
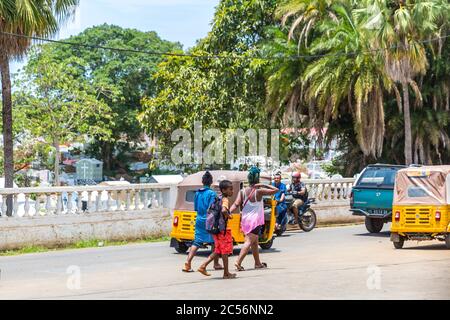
35	202
329	190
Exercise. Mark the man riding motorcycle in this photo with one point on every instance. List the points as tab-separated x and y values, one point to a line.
298	191
281	208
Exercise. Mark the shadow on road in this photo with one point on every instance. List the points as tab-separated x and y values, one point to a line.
435	246
205	253
383	234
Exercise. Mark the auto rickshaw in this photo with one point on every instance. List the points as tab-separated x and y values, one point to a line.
183	222
421	208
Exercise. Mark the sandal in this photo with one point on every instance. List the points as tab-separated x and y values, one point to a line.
187	268
262	266
239	268
218	268
204	272
230	276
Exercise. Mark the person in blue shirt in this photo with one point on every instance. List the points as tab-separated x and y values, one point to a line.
204	197
279	197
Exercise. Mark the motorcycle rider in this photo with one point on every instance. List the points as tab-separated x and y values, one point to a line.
298	190
279	197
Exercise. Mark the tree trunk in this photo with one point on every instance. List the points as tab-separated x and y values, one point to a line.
7	128
407	120
57	159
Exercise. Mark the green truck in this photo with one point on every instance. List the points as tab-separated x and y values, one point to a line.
372	195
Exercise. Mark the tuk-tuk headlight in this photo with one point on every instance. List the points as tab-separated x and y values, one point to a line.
175	221
397	216
437	216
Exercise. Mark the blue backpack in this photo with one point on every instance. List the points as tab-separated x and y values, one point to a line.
215	222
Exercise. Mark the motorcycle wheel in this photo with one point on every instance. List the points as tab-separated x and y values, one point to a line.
308	220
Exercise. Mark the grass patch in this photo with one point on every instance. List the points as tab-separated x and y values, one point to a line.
93	243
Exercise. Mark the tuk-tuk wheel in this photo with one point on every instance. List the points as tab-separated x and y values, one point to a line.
267	245
447	241
399	244
181	247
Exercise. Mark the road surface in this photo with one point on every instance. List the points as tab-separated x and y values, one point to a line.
327	263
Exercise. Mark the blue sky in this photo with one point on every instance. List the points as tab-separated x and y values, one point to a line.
185	21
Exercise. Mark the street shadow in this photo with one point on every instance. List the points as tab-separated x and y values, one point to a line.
383	234
236	251
434	246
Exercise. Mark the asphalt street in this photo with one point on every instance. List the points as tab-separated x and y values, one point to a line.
327	263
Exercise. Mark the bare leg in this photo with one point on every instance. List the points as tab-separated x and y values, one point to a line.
216	260
226	272
192	252
244	250
202	268
295	210
255	250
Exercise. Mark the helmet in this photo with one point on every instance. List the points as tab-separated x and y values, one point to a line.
296	174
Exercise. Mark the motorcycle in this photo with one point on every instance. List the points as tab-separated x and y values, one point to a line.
307	218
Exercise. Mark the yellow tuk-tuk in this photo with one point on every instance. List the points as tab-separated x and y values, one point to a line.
421	208
183	222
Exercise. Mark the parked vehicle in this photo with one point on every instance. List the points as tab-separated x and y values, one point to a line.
183	223
372	195
306	216
421	205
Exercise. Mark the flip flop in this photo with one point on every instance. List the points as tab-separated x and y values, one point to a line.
219	268
187	268
239	268
204	272
230	276
263	266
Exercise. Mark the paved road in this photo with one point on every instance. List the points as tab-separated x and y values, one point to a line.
327	263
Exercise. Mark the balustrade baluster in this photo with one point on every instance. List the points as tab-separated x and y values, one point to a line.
58	203
27	205
37	205
48	205
69	202
137	194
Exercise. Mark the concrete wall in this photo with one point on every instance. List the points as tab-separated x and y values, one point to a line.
51	231
335	212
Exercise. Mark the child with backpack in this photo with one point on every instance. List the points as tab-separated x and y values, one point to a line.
218	215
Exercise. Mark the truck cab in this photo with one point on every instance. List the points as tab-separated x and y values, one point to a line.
372	195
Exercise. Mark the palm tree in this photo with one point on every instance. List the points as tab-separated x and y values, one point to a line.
26	18
399	29
349	79
305	14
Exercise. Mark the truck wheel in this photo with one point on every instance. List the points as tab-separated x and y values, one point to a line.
181	247
447	241
267	245
399	244
374	225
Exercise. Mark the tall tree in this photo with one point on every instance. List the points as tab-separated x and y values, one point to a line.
58	106
28	18
129	73
399	30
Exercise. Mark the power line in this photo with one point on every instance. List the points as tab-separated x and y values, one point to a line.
214	56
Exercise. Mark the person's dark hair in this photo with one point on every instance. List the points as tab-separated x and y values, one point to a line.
225	184
253	175
207	179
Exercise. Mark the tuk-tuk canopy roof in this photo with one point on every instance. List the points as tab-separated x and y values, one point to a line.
195	180
424	185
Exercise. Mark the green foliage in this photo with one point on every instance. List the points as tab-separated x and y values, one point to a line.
128	75
225	92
